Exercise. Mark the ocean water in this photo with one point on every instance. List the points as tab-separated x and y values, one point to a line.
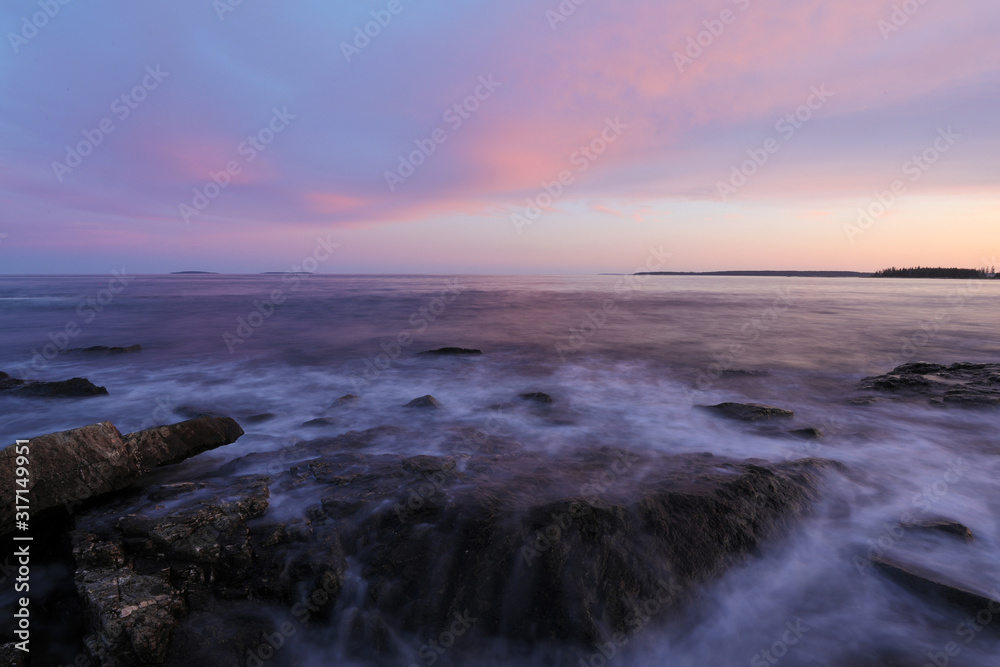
627	359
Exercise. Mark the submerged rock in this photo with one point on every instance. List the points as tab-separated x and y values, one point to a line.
743	372
938	586
532	546
537	397
453	351
346	399
261	418
962	384
72	466
811	433
104	349
750	412
72	388
427	401
319	422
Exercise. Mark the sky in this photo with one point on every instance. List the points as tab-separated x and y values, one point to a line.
543	136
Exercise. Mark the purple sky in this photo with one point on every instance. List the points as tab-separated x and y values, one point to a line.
498	137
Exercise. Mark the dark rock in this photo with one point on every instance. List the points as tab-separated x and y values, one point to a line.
424	402
972	397
70	467
936	585
942	525
164	445
72	388
537	397
961	385
319	422
919	368
346	399
811	433
536	546
453	351
104	349
750	412
209	555
742	372
260	419
428	464
895	382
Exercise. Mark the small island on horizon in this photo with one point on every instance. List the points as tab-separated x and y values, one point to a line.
986	273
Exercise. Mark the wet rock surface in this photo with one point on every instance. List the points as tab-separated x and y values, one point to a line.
962	384
141	574
72	388
750	412
531	546
939	586
72	466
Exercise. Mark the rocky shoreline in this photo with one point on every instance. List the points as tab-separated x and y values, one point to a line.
368	548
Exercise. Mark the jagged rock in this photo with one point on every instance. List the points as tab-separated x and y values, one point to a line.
453	351
424	402
961	384
208	554
72	466
750	412
491	538
104	349
72	388
537	397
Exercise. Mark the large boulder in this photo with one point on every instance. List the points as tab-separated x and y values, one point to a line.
69	467
164	445
521	545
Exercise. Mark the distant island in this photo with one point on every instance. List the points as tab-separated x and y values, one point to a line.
194	273
988	273
778	274
928	272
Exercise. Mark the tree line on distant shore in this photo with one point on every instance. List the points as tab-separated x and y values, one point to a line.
988	273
